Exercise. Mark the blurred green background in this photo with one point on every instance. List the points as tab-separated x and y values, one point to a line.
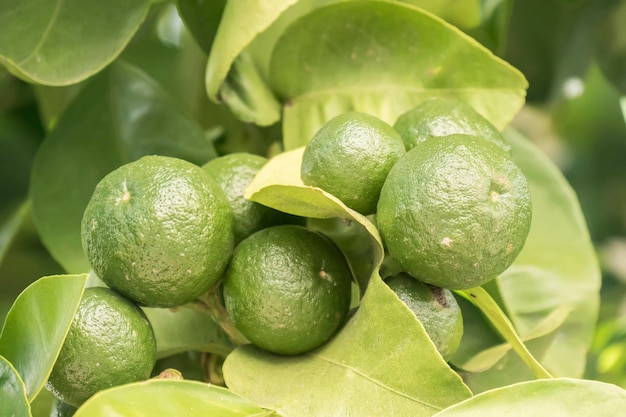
573	53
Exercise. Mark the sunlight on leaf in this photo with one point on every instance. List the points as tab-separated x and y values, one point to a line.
36	325
342	378
65	41
549	397
383	58
169	398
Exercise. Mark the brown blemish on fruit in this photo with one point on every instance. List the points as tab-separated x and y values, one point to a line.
509	248
439	296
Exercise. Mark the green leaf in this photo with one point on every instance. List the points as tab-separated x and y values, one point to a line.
186	329
36	325
63	42
10	222
241	22
12	391
383	58
555	398
482	299
381	363
119	117
462	13
165	398
556	269
201	19
278	185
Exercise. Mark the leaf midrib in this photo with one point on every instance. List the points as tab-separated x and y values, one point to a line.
53	19
373	381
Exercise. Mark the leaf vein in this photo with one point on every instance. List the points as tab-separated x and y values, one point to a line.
53	19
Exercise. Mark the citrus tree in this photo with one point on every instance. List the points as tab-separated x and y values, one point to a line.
92	90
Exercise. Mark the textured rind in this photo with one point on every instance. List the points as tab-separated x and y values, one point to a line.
438	117
287	289
110	342
435	307
234	172
455	212
350	157
158	230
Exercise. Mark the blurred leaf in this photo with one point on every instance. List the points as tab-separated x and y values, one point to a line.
63	42
186	329
12	391
241	22
557	268
554	398
167	398
52	101
324	65
36	325
10	222
611	44
461	13
119	117
278	185
202	18
381	363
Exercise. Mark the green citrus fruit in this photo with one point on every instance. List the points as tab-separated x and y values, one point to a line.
350	157
435	307
287	289
110	342
158	230
437	117
455	212
234	172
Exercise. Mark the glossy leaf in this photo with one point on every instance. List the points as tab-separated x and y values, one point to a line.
186	329
119	117
557	268
63	42
381	362
324	65
12	391
241	22
555	398
168	398
278	185
36	325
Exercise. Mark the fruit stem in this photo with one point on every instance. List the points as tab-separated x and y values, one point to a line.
481	299
211	303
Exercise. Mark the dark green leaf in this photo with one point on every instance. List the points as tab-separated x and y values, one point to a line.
12	392
36	325
119	117
186	329
167	398
202	19
10	221
555	398
383	58
63	42
381	363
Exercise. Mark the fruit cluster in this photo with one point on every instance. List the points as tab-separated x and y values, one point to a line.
452	208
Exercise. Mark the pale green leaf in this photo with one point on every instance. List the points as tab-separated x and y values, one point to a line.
549	397
186	329
36	325
381	363
12	392
60	42
383	58
120	116
278	185
169	398
461	13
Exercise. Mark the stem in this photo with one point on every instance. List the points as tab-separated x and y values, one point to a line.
481	299
211	303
